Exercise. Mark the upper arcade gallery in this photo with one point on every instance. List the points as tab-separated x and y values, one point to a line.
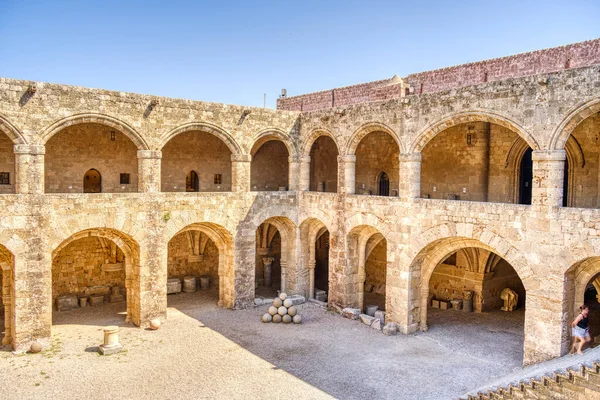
485	159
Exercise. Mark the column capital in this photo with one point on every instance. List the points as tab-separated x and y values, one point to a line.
293	159
35	149
410	157
349	158
151	154
304	159
241	157
549	155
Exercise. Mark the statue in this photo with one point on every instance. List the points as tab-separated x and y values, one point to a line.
510	298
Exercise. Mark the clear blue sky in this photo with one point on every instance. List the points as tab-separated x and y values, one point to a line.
234	51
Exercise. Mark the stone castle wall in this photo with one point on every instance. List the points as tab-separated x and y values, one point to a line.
543	242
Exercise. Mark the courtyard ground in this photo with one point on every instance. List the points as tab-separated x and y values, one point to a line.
203	351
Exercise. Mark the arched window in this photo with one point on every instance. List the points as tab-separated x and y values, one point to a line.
526	178
384	184
92	182
191	182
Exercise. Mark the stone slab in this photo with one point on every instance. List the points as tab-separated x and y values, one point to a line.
351	313
380	315
297	299
106	351
390	329
67	302
366	319
376	324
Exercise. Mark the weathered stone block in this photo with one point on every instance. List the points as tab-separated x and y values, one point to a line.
173	286
351	313
297	299
108	350
444	305
390	329
66	303
376	324
366	319
380	315
435	303
96	300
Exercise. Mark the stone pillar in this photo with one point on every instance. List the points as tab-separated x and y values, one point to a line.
240	172
311	277
293	176
29	169
149	171
304	184
268	271
544	323
7	302
410	175
283	264
548	175
349	162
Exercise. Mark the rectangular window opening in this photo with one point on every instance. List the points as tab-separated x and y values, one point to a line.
124	179
217	179
4	178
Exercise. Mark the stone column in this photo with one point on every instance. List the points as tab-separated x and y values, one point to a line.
240	172
268	271
293	176
29	169
548	175
349	162
283	264
149	171
410	175
311	277
304	184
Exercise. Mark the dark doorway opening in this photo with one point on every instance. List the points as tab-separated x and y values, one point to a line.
526	178
191	182
565	201
384	184
92	182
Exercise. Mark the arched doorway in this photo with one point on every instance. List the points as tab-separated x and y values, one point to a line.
376	152
275	264
526	177
92	181
96	269
323	165
269	169
201	253
191	182
383	184
206	157
367	252
315	242
71	152
321	273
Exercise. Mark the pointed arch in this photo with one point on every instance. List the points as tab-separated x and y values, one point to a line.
312	137
571	120
214	130
364	130
273	134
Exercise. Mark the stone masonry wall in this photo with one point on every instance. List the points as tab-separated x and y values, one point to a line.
7	162
324	165
269	169
180	266
369	164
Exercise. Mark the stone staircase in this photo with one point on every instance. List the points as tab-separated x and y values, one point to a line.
564	378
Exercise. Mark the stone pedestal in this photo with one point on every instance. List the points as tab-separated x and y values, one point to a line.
66	303
96	301
111	343
189	284
204	282
268	271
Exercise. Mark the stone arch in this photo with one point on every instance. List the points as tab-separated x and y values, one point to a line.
289	267
310	230
131	250
432	246
364	130
574	117
95	118
360	242
515	154
312	137
449	121
274	134
223	240
11	131
214	130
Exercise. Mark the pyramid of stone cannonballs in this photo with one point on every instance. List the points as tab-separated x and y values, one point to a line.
282	310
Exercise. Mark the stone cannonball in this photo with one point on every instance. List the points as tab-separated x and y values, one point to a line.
276	318
282	311
286	319
297	319
154	324
283	296
36	347
267	318
288	303
277	302
272	310
292	311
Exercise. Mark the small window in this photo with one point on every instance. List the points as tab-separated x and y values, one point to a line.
217	179
4	178
124	179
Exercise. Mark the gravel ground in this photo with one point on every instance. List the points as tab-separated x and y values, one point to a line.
208	352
